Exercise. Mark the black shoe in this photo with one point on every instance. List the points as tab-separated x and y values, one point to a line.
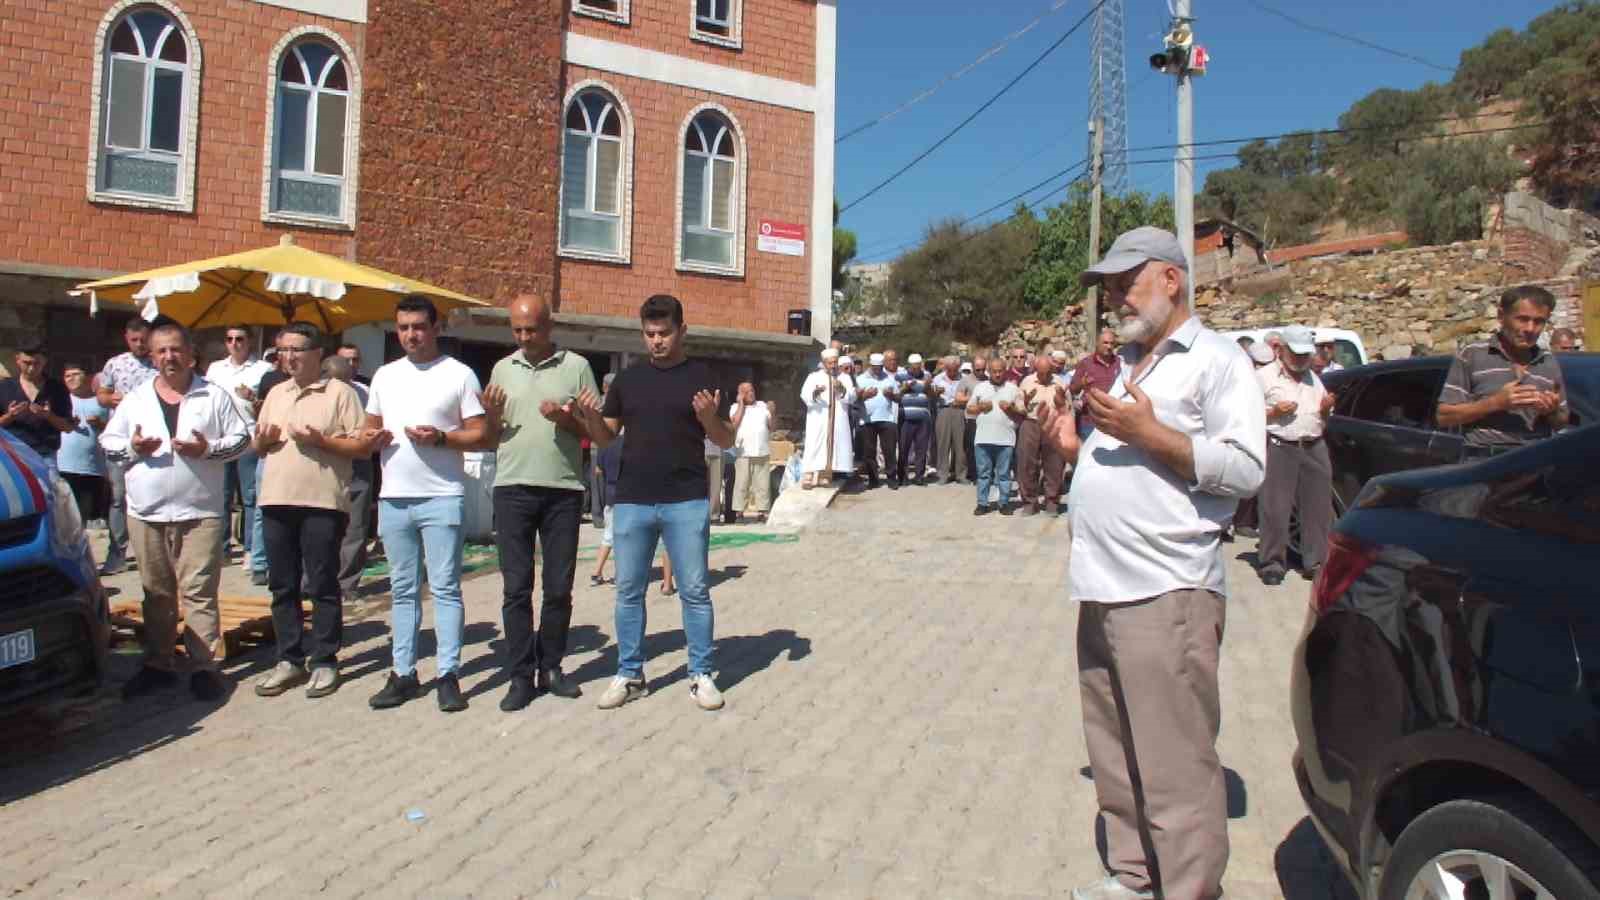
518	696
1271	576
1311	573
397	689
983	509
258	578
112	567
873	484
557	685
207	685
1006	509
894	485
147	680
447	690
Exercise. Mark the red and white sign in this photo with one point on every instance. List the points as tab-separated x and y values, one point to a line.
786	238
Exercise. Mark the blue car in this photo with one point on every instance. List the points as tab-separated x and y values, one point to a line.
54	620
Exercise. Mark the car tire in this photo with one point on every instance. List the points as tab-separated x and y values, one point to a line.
1466	838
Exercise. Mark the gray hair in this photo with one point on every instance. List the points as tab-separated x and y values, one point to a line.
339	368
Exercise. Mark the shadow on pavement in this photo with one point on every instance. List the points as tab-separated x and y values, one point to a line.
1306	868
737	657
580	639
715	577
379	656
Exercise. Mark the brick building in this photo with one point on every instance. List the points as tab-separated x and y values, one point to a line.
595	150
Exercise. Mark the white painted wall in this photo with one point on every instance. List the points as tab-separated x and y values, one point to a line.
653	65
348	10
822	173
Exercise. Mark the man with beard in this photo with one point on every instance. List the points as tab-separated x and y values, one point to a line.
1299	473
1179	439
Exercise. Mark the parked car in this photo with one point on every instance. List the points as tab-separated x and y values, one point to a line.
1348	350
1446	689
1384	418
55	625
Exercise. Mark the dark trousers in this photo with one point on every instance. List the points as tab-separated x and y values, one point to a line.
970	437
1298	478
885	435
916	435
523	513
357	534
303	548
90	492
1040	466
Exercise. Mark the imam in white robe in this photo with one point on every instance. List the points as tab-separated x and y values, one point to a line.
816	449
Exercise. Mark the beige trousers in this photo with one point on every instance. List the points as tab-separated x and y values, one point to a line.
752	482
1148	675
714	484
180	563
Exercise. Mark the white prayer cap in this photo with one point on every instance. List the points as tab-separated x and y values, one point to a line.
914	359
875	359
846	361
830	353
1058	354
966	367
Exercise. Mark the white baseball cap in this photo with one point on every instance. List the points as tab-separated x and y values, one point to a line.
875	359
914	359
1299	340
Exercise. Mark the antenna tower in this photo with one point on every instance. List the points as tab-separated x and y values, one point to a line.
1108	92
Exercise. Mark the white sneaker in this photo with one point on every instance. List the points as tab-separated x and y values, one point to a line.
622	690
704	691
283	676
1110	889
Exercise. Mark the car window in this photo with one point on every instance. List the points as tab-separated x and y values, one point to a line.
1345	392
1404	398
1346	354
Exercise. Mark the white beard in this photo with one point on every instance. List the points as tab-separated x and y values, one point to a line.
1144	326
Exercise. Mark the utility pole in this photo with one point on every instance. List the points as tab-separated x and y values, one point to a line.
1091	308
1183	188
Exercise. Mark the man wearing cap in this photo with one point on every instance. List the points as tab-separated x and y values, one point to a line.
1325	361
879	390
1178	440
1299	473
950	447
916	420
828	395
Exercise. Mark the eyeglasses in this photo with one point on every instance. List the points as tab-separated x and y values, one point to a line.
236	338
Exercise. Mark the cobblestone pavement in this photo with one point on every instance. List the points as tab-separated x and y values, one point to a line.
902	720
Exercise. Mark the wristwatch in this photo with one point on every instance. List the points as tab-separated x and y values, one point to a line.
441	441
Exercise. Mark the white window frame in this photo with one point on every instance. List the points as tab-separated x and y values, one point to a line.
188	113
346	220
622	16
735	36
624	253
739	211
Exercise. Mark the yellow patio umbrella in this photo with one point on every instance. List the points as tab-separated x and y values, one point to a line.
270	286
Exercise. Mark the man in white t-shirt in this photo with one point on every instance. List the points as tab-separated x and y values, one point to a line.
423	411
752	441
239	375
998	405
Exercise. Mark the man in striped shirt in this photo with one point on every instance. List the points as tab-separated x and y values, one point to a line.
1508	391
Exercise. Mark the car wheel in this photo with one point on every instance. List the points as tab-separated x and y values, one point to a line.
1502	848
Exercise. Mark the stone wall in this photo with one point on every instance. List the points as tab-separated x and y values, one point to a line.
461	132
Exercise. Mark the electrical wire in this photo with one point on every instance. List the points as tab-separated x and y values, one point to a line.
984	57
975	113
876	252
1310	26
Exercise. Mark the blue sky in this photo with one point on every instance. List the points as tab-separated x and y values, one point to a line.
1266	76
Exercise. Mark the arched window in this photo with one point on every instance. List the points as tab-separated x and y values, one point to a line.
146	95
711	201
593	174
311	123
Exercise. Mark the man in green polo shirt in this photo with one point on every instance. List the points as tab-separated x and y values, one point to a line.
538	493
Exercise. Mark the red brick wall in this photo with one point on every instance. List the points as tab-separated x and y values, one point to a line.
47	63
778	155
460	142
1529	255
780	36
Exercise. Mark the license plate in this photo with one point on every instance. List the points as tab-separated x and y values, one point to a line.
17	648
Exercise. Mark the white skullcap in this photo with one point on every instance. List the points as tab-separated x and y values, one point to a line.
830	353
914	359
875	359
1058	354
846	361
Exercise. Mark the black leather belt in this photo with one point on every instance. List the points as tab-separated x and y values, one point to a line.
1303	442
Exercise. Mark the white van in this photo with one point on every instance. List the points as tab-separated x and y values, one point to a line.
1348	351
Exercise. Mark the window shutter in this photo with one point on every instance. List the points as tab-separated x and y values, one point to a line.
608	177
694	190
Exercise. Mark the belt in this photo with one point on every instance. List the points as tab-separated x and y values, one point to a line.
1302	442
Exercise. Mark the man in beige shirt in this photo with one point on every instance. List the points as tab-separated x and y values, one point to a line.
1299	474
1040	466
308	433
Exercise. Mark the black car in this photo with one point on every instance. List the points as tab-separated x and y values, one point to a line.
1384	418
1446	688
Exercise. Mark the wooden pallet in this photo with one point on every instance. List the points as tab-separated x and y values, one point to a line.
242	619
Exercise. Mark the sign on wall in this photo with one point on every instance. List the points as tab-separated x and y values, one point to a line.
786	238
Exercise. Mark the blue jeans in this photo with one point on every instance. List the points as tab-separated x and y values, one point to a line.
244	470
685	528
258	541
994	467
414	530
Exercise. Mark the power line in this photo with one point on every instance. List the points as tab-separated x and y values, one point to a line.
984	57
1417	137
978	215
1310	26
975	113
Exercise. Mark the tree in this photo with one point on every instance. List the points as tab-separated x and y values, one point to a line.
1566	152
1062	251
1449	187
963	284
844	249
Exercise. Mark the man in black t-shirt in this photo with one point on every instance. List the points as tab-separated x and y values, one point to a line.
669	408
35	408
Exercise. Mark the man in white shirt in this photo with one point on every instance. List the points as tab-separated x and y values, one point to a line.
997	406
423	411
1178	440
239	374
752	441
1299	472
173	436
950	389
